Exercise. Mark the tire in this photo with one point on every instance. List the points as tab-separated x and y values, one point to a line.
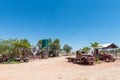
107	59
84	60
113	60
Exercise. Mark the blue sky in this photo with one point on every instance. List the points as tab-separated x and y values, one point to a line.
74	22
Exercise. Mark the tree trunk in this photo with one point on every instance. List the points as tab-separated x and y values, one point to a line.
95	51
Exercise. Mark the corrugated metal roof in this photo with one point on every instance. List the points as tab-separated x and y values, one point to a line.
105	45
108	45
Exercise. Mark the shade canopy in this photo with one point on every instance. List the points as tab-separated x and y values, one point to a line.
110	45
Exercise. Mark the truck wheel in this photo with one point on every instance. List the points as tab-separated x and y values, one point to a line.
113	60
107	59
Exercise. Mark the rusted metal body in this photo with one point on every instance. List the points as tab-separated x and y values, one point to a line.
81	56
106	57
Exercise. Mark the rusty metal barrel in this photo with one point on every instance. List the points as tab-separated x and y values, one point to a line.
45	54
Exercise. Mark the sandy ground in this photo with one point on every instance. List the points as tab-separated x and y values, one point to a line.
59	69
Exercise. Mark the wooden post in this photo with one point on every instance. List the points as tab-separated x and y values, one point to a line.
116	53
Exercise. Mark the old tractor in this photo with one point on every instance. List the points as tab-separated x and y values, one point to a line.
83	57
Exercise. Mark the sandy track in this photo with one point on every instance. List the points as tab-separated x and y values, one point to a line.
59	69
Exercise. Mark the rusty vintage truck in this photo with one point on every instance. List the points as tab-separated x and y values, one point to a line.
83	57
106	57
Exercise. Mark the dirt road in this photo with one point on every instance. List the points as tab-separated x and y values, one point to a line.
59	69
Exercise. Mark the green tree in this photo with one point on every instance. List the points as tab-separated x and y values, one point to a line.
55	47
86	49
21	47
17	45
6	47
39	44
95	45
12	48
67	48
25	44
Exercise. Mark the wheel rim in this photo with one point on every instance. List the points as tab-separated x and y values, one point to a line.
113	60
